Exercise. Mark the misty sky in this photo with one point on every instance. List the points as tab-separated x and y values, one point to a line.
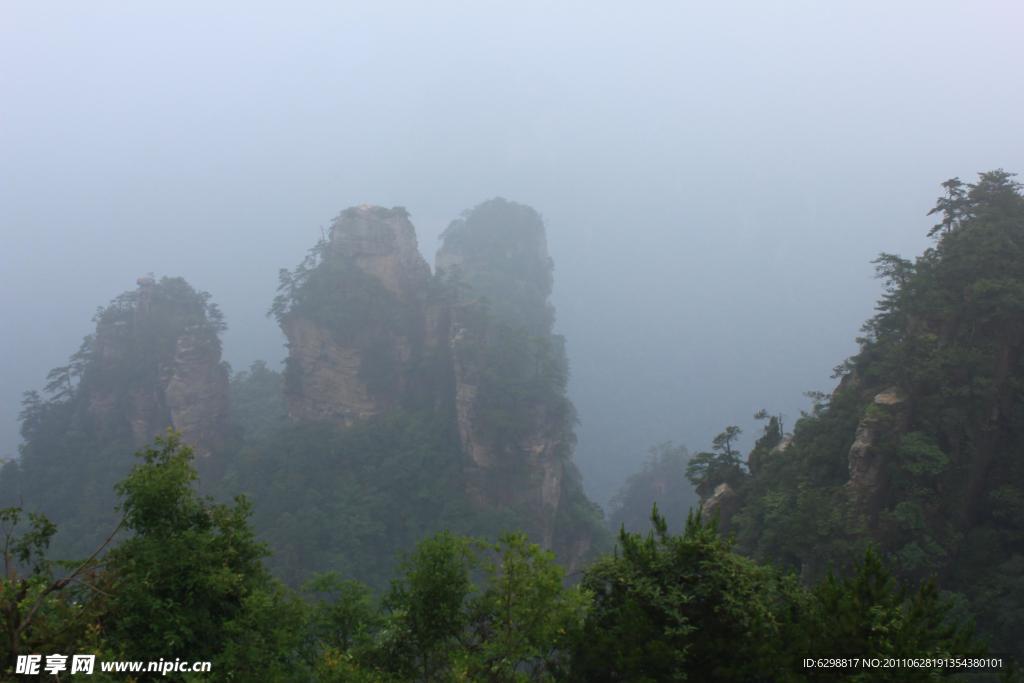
715	177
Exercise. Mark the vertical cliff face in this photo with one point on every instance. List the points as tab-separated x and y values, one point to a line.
353	314
885	416
371	331
510	372
515	450
196	391
324	380
155	363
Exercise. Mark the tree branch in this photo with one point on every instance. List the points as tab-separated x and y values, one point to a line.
59	584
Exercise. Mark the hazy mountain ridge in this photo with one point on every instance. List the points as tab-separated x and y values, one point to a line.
411	401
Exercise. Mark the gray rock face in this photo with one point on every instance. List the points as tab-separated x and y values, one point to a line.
382	243
359	369
329	386
722	502
461	342
863	464
864	460
196	392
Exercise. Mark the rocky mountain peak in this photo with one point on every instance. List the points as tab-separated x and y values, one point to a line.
371	331
382	243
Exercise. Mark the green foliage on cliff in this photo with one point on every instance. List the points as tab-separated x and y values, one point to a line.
935	400
521	384
498	249
330	288
794	508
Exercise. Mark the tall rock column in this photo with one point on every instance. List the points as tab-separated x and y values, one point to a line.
515	423
353	316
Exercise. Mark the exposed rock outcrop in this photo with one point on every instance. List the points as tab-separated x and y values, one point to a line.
356	322
325	376
196	392
371	331
864	458
721	504
381	243
781	447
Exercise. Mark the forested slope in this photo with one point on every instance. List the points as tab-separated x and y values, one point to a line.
920	448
